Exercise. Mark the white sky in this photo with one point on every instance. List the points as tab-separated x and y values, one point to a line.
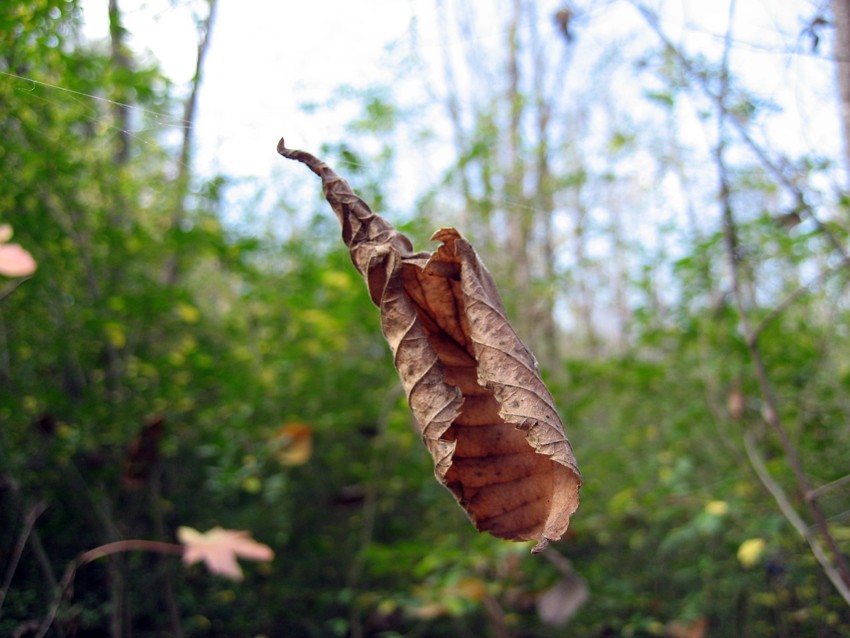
268	57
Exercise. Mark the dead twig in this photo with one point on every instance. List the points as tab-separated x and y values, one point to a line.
29	522
793	517
92	555
823	489
770	410
719	98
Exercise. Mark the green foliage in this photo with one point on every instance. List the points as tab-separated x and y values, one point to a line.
260	330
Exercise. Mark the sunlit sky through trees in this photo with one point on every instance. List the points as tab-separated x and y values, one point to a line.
268	59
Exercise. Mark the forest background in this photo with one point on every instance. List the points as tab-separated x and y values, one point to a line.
661	196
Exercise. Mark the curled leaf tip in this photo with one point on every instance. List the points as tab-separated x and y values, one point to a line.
542	544
281	146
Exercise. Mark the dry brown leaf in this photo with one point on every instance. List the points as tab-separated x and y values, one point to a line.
486	416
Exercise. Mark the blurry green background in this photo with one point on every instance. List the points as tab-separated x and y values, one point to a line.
165	294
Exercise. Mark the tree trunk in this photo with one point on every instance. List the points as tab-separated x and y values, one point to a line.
172	268
514	192
841	18
121	60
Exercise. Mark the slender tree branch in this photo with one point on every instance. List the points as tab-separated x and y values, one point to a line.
370	504
770	411
172	268
719	99
794	296
10	287
841	23
497	617
29	522
165	566
453	107
823	489
102	551
793	517
120	60
129	545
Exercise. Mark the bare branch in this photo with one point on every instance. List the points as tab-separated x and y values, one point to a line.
841	23
92	555
29	521
770	402
823	489
10	287
793	517
799	292
172	267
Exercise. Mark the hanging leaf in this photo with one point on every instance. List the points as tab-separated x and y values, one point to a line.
486	416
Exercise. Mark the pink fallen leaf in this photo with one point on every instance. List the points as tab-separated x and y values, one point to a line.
219	548
15	261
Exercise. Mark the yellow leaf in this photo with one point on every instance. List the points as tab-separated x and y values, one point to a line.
188	313
293	443
225	597
115	334
252	485
337	279
201	622
471	589
428	611
717	508
750	551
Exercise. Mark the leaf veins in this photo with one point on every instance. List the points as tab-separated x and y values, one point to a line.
486	416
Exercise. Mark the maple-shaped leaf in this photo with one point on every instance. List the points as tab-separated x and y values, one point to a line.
486	416
219	548
14	260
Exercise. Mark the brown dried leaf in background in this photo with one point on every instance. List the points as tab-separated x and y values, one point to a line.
688	629
486	416
143	453
293	443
